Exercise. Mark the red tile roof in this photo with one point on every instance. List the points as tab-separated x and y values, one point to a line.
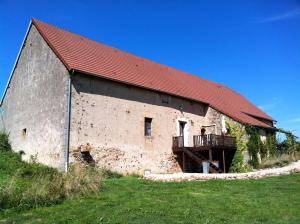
88	56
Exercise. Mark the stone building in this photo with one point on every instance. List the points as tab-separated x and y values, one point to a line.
70	97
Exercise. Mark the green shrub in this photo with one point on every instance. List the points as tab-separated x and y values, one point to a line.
237	163
4	142
298	146
10	162
108	174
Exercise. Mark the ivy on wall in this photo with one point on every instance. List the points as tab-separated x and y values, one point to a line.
236	130
248	138
270	146
254	145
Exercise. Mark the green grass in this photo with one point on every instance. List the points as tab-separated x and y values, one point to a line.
40	194
27	185
21	183
131	200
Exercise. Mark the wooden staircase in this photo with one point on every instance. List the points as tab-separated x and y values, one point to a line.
198	158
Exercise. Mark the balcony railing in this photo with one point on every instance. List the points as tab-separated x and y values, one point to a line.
210	140
214	140
178	142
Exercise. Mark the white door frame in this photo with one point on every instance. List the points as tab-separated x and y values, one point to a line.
185	130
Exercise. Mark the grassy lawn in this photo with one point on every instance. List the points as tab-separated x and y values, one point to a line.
130	200
33	193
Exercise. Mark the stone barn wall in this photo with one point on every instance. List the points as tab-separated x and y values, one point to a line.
108	120
35	104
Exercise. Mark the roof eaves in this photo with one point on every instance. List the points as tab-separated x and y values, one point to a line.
240	120
265	125
131	84
259	117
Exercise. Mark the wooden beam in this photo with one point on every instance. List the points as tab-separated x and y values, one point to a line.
210	155
192	156
199	159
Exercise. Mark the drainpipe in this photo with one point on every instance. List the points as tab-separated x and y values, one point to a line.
68	120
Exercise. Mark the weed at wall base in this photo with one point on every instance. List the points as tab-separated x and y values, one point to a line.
27	185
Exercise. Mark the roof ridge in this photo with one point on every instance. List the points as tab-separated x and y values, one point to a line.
36	21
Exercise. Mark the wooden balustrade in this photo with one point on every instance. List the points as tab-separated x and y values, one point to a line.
214	140
178	142
210	140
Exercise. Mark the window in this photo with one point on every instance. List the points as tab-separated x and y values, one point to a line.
164	99
148	122
181	128
24	131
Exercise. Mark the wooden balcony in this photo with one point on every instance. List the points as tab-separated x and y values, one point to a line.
205	142
210	148
212	140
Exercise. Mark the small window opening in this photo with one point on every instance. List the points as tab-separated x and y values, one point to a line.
165	99
203	131
24	131
148	122
181	127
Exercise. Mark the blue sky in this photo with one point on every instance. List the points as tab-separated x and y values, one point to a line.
250	46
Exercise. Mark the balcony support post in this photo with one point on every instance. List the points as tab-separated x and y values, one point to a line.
183	162
224	168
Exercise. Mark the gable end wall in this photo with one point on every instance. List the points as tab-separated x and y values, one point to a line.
36	100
